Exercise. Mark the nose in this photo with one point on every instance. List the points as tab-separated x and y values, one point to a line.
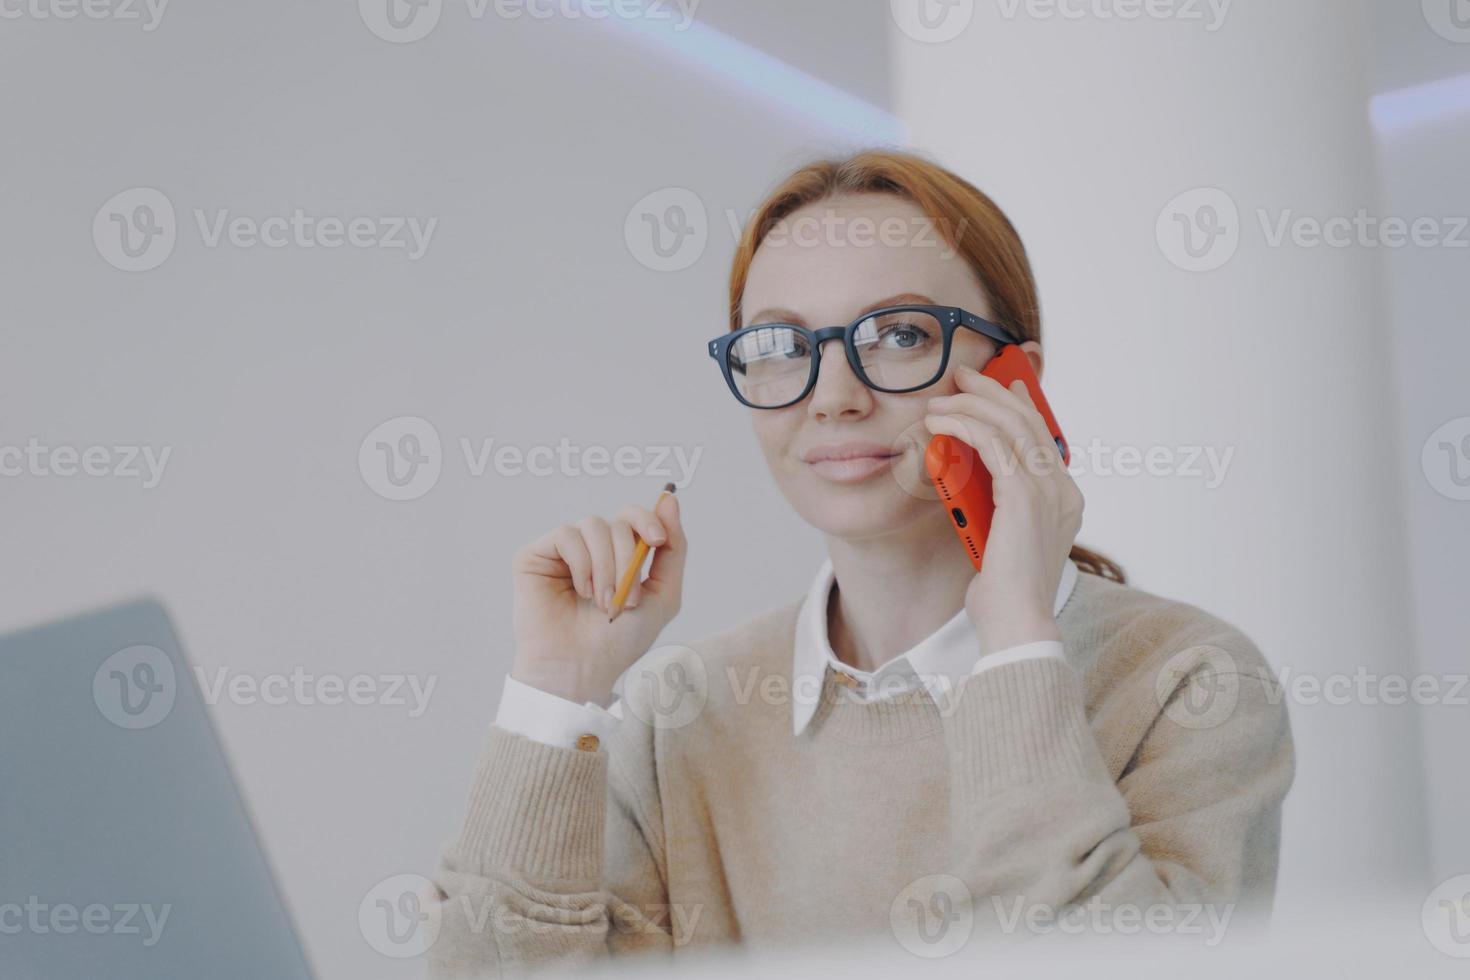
838	393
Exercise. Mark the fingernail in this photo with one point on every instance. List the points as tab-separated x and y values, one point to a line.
607	596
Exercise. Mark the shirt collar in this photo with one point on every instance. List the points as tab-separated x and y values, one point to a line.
949	652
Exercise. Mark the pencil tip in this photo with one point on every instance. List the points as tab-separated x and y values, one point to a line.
668	488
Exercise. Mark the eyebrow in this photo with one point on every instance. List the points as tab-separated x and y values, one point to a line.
776	314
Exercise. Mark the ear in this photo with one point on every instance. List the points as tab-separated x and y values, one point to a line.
1033	354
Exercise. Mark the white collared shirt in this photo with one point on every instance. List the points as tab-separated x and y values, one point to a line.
937	661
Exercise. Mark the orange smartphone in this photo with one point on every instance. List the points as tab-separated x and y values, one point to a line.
959	474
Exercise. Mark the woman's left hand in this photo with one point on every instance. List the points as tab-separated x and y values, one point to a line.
1038	508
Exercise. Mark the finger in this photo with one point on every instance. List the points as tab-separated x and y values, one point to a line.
645	524
598	538
1017	395
985	408
651	529
625	542
1036	420
989	443
560	553
666	575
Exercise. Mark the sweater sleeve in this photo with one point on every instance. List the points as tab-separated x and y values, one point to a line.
1186	819
559	862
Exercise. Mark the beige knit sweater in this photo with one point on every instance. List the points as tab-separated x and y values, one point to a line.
1143	775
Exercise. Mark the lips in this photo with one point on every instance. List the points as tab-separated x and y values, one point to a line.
850	462
842	451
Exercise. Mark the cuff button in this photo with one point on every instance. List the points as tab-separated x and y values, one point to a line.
588	743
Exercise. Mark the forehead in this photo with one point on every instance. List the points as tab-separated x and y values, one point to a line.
829	260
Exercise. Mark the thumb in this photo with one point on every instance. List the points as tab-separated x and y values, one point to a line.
666	573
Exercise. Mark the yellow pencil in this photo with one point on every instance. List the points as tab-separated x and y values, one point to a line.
630	574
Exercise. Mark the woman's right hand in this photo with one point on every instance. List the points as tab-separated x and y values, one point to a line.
563	582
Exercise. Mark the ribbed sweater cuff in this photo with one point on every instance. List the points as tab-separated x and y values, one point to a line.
536	810
1021	723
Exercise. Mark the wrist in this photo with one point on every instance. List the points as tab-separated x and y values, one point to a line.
567	684
1005	632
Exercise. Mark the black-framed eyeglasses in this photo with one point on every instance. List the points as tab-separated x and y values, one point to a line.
896	349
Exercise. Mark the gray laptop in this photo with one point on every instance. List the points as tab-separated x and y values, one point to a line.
125	849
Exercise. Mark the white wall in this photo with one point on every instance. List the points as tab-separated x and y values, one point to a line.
1423	159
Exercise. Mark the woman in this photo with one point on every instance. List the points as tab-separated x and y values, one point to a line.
911	744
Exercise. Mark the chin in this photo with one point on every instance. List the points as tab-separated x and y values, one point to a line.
854	510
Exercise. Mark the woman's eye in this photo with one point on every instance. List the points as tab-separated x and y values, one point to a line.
903	336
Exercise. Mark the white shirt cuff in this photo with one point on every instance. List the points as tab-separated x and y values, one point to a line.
544	717
1026	651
